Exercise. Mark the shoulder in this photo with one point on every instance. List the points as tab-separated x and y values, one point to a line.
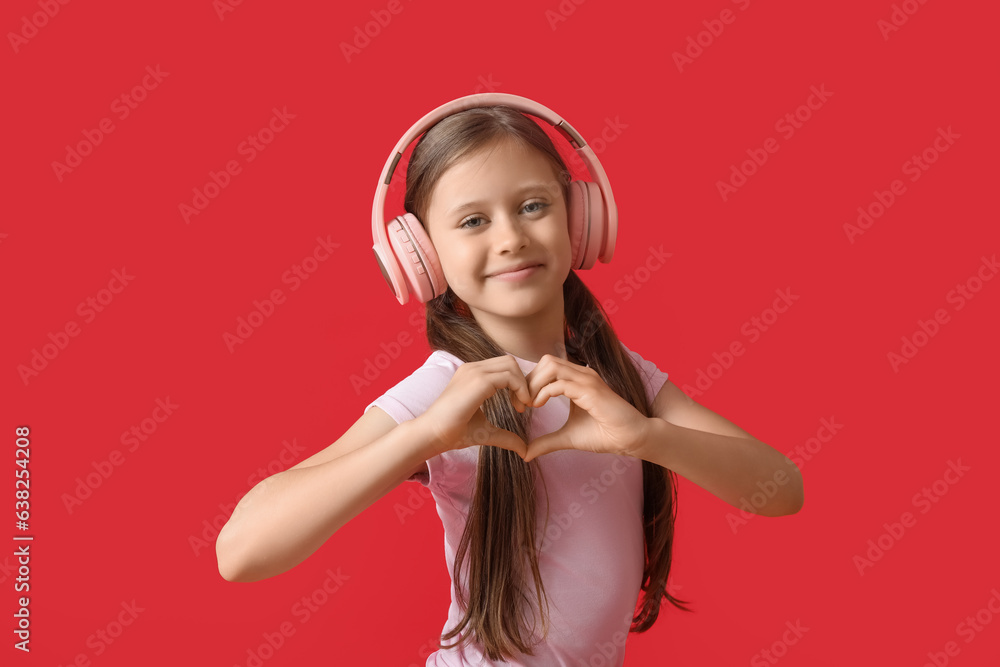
653	377
645	366
439	366
411	395
442	359
438	362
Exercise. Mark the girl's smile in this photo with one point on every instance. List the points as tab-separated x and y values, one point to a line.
517	274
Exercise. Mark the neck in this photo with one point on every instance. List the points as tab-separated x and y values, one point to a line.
530	337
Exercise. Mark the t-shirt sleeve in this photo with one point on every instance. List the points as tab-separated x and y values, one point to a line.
412	395
653	377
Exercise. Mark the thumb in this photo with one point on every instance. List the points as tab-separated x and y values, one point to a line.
500	437
544	444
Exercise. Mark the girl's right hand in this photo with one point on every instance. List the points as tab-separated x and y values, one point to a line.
456	418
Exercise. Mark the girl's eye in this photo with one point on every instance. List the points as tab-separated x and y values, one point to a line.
465	223
538	206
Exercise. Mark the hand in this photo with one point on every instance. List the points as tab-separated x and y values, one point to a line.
599	419
456	418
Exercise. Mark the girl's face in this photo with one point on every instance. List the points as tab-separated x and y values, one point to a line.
498	208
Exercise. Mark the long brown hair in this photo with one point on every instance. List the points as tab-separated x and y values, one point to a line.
499	536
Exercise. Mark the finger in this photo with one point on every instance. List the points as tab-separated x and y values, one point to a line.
544	444
571	389
495	380
549	374
506	440
482	432
504	372
520	395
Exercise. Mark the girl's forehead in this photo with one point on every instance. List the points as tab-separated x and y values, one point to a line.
499	155
504	149
490	171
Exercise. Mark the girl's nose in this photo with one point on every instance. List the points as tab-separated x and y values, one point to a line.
509	233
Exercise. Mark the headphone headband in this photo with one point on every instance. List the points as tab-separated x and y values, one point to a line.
523	104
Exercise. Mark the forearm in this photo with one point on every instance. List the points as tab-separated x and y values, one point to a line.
288	516
732	468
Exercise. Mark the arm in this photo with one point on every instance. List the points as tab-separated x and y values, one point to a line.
718	456
286	517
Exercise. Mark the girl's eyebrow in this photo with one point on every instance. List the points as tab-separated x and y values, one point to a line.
539	185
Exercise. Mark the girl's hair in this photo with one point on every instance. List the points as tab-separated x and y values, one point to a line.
499	537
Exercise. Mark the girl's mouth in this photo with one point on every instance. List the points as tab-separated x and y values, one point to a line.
514	276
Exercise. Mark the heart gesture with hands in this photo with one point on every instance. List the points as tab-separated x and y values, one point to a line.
599	420
456	418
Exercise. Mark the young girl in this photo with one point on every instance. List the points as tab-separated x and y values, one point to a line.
549	446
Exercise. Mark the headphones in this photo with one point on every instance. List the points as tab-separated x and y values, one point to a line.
405	253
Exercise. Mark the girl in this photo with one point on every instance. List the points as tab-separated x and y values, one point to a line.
550	447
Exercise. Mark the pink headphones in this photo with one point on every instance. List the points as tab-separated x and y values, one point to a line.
403	250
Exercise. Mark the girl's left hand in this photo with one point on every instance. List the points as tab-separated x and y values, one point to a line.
599	420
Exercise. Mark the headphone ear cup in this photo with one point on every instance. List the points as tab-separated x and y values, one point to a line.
587	226
417	258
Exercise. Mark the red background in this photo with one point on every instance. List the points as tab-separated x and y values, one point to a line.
682	129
